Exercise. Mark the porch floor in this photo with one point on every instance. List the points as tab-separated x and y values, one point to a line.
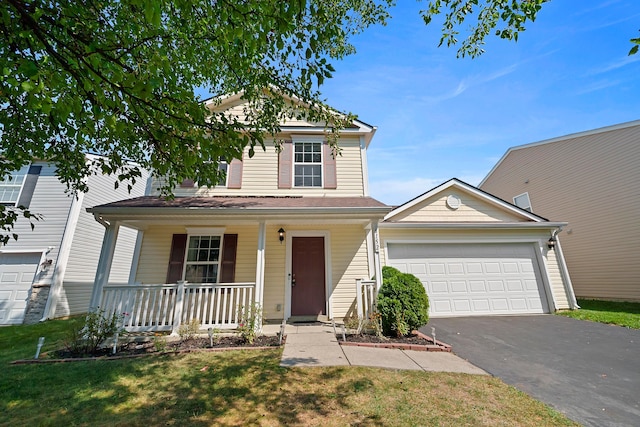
316	345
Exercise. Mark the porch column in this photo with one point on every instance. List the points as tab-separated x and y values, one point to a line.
262	236
104	263
376	253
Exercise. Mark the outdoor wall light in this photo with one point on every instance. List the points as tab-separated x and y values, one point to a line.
551	243
281	234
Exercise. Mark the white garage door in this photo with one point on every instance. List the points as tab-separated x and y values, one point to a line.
16	275
474	279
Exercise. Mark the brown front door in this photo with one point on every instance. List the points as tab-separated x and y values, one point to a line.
307	276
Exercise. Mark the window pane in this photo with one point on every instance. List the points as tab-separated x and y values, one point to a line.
11	185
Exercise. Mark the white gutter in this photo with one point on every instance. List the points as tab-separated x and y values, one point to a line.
474	225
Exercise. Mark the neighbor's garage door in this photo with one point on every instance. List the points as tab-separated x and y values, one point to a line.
16	275
474	279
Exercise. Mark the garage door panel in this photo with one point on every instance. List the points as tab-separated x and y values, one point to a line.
437	269
418	269
439	287
475	279
481	306
456	268
496	286
459	287
17	271
510	268
462	305
492	268
499	304
477	286
440	306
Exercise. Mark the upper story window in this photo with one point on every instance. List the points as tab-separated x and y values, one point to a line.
223	168
522	201
307	164
10	187
202	263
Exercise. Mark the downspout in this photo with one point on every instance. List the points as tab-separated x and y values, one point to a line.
564	271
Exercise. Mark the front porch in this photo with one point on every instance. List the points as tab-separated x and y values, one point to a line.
202	263
164	307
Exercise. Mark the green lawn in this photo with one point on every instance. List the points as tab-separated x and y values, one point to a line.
611	312
243	388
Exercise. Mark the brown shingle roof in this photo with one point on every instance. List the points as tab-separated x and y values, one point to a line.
244	202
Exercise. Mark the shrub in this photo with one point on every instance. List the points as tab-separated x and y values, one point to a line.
402	302
249	318
98	327
188	331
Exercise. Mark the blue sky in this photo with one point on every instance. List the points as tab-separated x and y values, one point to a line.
440	117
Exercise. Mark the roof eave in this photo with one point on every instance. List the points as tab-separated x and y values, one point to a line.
474	225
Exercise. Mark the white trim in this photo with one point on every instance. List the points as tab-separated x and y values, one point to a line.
560	139
301	139
328	283
465	187
564	272
205	231
260	264
133	270
62	259
365	167
105	261
541	258
186	251
488	225
15	202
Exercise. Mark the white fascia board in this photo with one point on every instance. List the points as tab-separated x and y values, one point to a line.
473	225
463	186
559	139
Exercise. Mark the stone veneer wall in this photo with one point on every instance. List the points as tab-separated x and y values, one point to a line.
36	303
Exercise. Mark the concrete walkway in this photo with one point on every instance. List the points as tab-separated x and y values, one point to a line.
316	345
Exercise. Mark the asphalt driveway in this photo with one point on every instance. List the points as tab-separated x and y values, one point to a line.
588	371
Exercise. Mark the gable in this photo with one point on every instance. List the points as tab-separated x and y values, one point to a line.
237	107
457	202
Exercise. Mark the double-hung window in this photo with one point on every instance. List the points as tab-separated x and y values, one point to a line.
202	263
10	186
307	164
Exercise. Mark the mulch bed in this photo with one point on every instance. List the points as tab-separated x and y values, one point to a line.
132	349
416	341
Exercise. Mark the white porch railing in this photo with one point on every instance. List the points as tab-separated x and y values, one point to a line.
366	293
164	307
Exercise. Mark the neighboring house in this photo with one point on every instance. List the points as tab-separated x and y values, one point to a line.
589	179
297	233
49	271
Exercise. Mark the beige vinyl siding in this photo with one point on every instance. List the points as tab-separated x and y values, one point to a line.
590	181
274	274
557	282
239	109
156	247
471	209
260	176
349	263
77	286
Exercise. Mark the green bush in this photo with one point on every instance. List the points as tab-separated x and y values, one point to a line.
402	302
